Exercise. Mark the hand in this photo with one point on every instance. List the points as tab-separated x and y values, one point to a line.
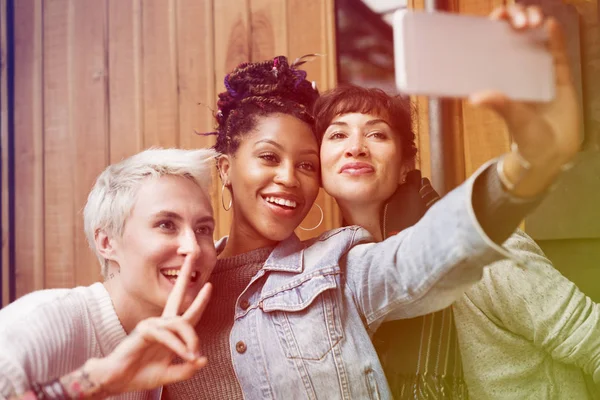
547	134
144	360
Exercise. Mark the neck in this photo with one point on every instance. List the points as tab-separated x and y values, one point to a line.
366	215
130	312
243	239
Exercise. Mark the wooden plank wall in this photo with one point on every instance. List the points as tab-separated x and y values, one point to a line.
98	80
4	187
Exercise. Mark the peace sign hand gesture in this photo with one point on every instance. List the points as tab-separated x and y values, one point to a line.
144	360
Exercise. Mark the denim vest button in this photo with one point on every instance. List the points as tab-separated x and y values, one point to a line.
240	347
244	304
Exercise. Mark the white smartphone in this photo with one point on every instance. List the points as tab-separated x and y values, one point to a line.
449	55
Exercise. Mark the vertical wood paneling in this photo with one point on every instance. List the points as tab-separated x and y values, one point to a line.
232	47
98	80
159	52
589	15
28	140
89	119
311	30
268	22
59	155
196	77
485	134
196	72
126	119
4	189
420	122
308	26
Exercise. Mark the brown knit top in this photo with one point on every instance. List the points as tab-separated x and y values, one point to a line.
217	380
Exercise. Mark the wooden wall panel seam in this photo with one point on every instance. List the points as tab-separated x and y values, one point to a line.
29	147
4	165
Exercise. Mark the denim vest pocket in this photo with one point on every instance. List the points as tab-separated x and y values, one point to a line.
306	317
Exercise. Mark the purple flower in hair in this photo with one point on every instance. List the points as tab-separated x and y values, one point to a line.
228	86
300	76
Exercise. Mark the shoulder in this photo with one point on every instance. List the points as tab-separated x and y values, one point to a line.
330	247
351	235
56	309
533	277
39	329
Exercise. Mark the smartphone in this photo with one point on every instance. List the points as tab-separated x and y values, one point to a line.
448	55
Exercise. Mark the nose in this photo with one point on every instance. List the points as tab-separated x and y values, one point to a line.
286	175
356	148
188	244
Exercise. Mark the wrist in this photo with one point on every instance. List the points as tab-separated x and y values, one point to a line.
527	180
92	381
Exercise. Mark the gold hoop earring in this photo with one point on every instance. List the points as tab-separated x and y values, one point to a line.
223	200
320	221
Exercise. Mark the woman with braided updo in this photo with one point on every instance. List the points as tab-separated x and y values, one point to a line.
293	320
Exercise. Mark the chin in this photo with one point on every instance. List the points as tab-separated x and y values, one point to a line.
356	194
277	233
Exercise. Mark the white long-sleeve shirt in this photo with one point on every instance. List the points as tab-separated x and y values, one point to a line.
49	333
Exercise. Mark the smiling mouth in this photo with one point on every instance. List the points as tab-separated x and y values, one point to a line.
283	203
172	274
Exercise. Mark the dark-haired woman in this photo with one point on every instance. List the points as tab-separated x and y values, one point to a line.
525	330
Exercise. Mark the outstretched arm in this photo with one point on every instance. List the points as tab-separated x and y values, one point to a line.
428	266
538	303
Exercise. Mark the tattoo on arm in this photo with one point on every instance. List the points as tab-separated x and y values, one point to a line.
75	385
78	385
28	395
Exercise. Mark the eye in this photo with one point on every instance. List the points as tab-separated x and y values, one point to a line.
307	166
166	225
268	157
377	135
204	230
337	135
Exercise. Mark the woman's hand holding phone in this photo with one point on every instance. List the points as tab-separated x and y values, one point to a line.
546	134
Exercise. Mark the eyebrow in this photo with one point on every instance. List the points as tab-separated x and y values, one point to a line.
280	147
175	216
368	123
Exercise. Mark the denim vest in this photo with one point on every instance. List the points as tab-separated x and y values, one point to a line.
303	325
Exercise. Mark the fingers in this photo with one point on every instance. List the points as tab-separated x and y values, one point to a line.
195	311
182	372
178	292
514	113
176	334
519	17
490	99
186	332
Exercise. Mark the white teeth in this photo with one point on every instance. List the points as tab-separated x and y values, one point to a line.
175	273
281	202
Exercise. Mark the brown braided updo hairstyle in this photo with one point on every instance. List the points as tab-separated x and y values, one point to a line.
260	89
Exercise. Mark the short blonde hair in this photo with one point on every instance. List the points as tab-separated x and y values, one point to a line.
113	196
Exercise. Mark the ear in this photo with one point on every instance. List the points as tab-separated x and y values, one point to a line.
224	164
105	245
405	168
